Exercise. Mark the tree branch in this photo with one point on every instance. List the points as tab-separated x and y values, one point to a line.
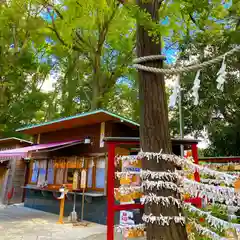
195	22
53	28
47	4
103	31
115	74
76	48
82	41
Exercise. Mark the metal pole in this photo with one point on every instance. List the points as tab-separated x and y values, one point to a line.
180	117
83	196
74	202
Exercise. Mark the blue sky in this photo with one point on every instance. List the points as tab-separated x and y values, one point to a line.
171	54
169	51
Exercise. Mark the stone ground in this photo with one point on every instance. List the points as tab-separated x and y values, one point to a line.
20	223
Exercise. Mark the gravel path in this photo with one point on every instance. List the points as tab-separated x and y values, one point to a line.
20	223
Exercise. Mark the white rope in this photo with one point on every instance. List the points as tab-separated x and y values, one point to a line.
149	58
178	70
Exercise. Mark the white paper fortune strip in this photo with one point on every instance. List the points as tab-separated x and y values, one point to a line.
165	201
121	228
215	193
131	159
215	181
206	232
168	176
123	190
163	220
126	174
182	162
213	221
159	185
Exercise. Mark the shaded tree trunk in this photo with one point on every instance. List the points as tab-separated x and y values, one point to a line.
154	129
96	95
96	91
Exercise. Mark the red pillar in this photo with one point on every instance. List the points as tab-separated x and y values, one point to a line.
197	201
195	157
110	191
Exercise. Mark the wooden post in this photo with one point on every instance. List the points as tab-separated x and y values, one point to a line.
83	186
27	173
110	191
38	138
61	213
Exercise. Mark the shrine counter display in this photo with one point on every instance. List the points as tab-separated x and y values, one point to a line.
51	174
46	176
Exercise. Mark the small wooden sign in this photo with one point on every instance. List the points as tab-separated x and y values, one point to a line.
83	179
102	134
75	180
237	167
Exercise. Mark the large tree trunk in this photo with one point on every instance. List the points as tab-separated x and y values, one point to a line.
95	101
96	91
154	130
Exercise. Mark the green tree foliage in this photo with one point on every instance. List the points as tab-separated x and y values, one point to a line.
218	112
91	45
96	40
124	97
22	69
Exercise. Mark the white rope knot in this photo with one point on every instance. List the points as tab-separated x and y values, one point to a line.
149	58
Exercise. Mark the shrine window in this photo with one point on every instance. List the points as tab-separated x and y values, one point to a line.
52	173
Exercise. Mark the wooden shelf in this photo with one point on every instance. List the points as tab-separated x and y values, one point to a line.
90	194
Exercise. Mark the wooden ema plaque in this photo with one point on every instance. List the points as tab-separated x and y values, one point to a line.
83	179
75	180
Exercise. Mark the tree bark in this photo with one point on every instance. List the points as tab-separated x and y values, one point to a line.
95	101
96	91
154	129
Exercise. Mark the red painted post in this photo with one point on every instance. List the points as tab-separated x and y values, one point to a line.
110	191
125	207
195	157
198	201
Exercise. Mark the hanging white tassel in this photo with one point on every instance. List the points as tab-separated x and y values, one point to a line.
195	88
175	93
221	75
